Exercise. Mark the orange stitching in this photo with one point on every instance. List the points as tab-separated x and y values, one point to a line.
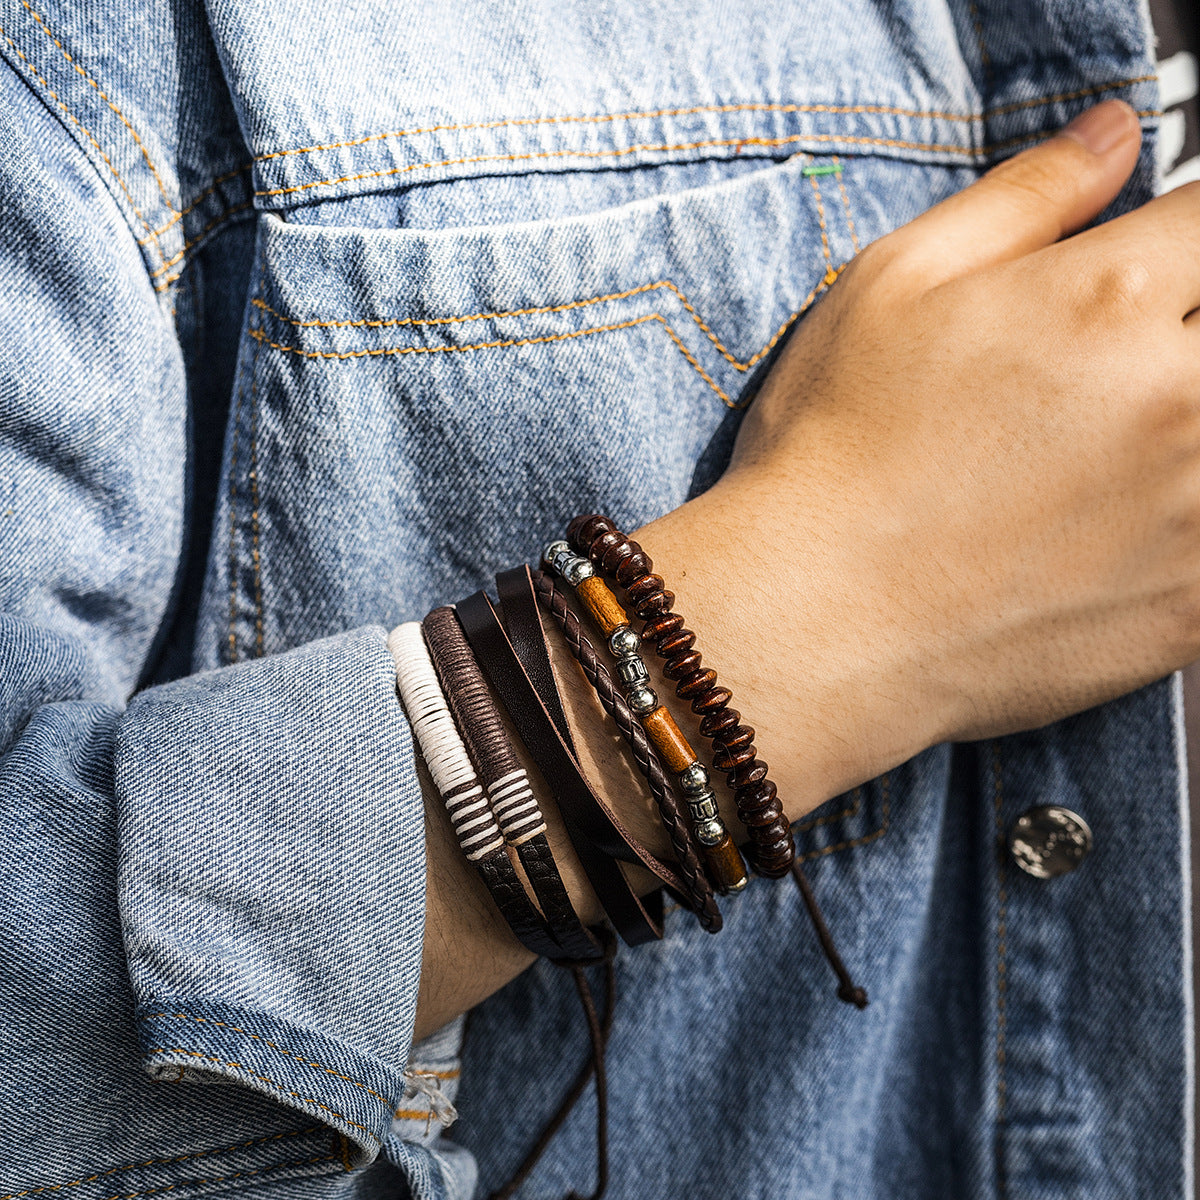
885	824
1001	969
985	59
132	132
830	273
376	352
158	1162
417	1070
845	110
814	822
170	262
267	1042
422	322
263	1079
82	128
846	207
208	191
931	147
344	1147
413	1114
303	1162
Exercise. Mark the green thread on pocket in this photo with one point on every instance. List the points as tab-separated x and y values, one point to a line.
822	169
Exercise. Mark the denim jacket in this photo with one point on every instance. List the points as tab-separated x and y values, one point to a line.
316	315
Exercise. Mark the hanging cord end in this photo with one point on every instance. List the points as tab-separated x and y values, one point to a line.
848	991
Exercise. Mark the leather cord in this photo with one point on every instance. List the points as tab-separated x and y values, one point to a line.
513	803
698	892
596	833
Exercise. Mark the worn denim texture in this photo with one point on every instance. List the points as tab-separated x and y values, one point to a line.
316	315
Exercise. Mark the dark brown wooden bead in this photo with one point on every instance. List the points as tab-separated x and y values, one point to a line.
655	605
767	815
726	867
753	796
604	543
644	587
639	563
754	771
682	664
714	698
696	684
585	529
614	556
730	760
715	724
659	626
773	860
734	738
676	643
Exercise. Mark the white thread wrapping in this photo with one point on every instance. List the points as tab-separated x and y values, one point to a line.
474	823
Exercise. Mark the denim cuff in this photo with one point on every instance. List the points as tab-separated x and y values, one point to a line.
272	880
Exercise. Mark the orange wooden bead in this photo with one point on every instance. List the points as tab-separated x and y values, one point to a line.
726	867
668	739
605	608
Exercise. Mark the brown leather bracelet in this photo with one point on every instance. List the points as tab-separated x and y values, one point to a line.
597	835
504	779
699	893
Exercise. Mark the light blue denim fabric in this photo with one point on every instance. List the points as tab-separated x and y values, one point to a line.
313	317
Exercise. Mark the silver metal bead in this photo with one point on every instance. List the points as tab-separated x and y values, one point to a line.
553	550
693	779
576	570
624	641
703	807
710	832
632	671
642	700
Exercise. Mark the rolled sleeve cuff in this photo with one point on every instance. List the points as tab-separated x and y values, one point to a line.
272	880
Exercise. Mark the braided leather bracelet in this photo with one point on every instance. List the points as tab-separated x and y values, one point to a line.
772	846
507	785
474	824
699	892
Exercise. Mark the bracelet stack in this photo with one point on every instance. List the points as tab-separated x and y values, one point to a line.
469	673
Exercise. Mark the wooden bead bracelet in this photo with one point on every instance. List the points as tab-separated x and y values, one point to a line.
772	847
721	855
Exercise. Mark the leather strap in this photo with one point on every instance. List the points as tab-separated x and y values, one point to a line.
514	904
597	836
508	789
515	592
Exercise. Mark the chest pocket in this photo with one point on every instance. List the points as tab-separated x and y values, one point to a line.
418	408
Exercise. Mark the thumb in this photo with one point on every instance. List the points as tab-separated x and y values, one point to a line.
1028	201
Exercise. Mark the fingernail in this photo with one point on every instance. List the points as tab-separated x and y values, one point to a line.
1103	127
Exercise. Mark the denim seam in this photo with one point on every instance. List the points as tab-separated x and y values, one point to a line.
836	109
426	322
279	1087
816	822
162	1162
197	200
985	59
257	1037
830	271
100	92
884	826
378	351
970	152
841	182
87	133
199	237
1001	970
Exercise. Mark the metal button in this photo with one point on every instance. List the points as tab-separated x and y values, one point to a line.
1049	841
